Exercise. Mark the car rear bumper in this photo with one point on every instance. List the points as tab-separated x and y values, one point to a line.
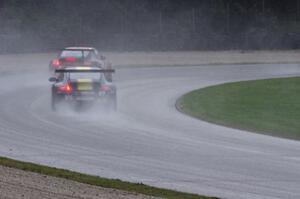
88	97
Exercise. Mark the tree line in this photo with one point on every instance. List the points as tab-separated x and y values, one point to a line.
43	25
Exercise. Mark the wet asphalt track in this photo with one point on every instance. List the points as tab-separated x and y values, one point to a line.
148	140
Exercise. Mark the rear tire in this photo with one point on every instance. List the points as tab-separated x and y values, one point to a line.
53	101
78	105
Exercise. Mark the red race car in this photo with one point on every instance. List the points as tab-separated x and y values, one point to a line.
83	56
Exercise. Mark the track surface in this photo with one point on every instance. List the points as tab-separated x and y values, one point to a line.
148	140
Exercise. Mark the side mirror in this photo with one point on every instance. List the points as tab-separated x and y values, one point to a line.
102	57
52	79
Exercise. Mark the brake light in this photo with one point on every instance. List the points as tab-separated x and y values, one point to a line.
105	88
56	63
70	59
66	89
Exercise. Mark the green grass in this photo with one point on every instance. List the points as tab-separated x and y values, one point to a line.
270	106
98	181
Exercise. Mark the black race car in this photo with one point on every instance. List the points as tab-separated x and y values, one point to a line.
85	56
83	85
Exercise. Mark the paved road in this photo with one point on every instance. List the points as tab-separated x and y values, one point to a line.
148	140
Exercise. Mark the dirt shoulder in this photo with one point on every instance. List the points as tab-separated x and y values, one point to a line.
25	62
15	184
203	58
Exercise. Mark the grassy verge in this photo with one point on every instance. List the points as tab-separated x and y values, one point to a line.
270	106
98	181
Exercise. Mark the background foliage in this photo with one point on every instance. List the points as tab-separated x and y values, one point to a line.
35	25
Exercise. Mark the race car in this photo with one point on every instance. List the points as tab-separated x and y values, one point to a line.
79	85
85	56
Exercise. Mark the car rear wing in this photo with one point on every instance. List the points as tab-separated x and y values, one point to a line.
84	69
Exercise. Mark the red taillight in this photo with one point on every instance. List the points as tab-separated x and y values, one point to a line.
56	63
66	89
71	59
105	88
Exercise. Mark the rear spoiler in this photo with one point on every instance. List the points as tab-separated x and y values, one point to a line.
84	70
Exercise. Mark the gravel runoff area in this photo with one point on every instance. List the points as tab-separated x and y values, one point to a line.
16	184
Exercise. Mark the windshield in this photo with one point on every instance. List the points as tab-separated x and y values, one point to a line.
85	75
76	53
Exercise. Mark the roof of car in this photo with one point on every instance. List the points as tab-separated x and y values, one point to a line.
79	48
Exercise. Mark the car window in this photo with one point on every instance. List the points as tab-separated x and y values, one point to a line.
85	75
71	53
97	55
89	55
86	53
